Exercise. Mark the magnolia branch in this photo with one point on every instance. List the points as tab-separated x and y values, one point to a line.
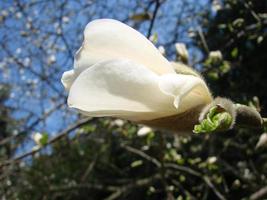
206	179
153	18
177	167
51	141
116	190
259	194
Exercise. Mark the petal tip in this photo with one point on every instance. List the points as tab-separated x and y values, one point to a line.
67	79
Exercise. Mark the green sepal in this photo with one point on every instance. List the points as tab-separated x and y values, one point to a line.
44	139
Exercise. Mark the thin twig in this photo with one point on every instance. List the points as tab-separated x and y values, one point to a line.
259	194
153	18
186	192
215	190
203	40
199	175
142	154
183	169
162	168
139	183
89	169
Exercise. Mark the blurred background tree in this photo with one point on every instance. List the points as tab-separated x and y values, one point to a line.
84	158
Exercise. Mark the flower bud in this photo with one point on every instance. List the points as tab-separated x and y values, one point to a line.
144	131
182	52
161	50
37	138
215	56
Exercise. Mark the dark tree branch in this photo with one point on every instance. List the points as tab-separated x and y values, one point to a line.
61	135
259	194
153	18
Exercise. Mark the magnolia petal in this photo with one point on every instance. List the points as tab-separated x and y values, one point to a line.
120	88
188	91
67	79
107	39
182	51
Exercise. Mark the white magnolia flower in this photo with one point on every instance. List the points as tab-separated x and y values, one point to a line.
144	131
118	122
37	138
216	55
119	73
212	159
51	59
216	5
182	51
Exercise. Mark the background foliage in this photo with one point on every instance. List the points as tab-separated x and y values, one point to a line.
81	158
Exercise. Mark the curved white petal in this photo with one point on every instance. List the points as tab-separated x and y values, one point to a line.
128	90
188	91
107	39
67	79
